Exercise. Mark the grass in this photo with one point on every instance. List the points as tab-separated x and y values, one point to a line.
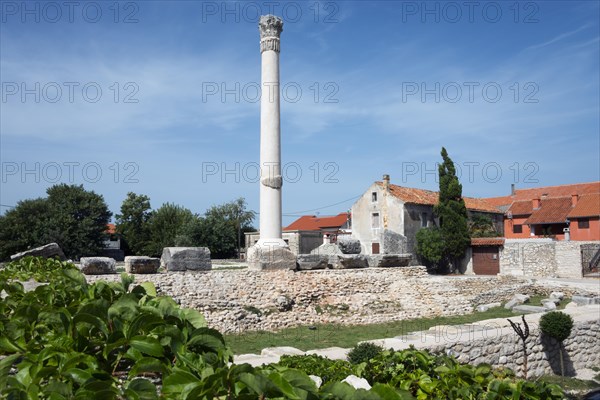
330	335
536	301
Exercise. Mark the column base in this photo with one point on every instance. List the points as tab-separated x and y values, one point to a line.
270	255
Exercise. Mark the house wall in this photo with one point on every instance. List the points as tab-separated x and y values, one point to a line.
542	258
516	220
592	233
413	223
391	217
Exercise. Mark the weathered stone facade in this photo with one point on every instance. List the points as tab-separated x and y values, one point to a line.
241	300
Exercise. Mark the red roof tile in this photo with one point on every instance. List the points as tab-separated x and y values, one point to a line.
521	207
552	211
428	197
549	191
314	223
489	241
587	206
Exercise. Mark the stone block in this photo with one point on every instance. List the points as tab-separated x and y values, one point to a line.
357	383
349	246
527	309
347	261
585	300
548	305
270	258
557	295
48	250
141	265
551	299
97	265
394	242
516	300
186	259
389	260
485	307
312	261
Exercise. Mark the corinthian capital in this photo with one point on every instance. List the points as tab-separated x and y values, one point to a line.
270	28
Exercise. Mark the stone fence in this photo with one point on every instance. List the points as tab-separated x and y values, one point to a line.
543	258
242	300
501	347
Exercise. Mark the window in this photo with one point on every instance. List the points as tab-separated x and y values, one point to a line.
583	223
423	220
374	197
517	228
375	220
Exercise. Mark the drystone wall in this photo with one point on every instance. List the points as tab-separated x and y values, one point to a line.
503	348
241	300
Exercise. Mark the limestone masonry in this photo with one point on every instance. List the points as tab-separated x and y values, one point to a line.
242	300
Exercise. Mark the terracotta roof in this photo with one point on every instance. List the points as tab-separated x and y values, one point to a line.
549	191
521	207
314	223
552	210
587	206
428	197
489	241
111	229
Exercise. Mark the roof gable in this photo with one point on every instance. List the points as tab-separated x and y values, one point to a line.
587	206
314	223
547	191
552	210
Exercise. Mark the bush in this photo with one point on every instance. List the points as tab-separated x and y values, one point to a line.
556	324
326	369
363	352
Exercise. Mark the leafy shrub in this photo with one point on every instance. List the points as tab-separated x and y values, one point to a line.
363	352
326	369
556	324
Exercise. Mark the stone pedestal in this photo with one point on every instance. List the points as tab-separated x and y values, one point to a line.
270	255
186	259
97	265
141	265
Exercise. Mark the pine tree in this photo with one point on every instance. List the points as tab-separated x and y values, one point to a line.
452	213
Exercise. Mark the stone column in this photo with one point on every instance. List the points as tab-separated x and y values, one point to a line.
271	251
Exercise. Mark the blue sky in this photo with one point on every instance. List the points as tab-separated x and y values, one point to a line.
511	89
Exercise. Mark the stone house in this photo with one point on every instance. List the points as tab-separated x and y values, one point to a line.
386	217
565	212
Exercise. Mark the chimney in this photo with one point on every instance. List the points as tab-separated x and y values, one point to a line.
574	199
512	189
536	203
386	182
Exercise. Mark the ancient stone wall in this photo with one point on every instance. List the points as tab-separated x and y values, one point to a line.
502	348
241	300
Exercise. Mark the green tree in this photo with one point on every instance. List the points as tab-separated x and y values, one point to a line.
222	228
453	219
23	227
76	220
169	226
482	226
132	222
430	246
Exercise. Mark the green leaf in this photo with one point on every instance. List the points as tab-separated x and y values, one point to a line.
386	392
147	345
92	320
5	366
147	364
142	389
194	317
176	382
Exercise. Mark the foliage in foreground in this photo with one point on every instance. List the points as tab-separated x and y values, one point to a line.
72	340
363	352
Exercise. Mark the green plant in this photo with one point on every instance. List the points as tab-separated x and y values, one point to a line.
326	369
363	352
557	325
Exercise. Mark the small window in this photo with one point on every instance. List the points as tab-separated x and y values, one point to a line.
517	228
374	197
375	220
423	220
583	223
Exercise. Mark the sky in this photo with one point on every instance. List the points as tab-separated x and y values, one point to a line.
161	98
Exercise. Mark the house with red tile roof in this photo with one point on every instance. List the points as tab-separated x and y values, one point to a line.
565	212
328	225
386	217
